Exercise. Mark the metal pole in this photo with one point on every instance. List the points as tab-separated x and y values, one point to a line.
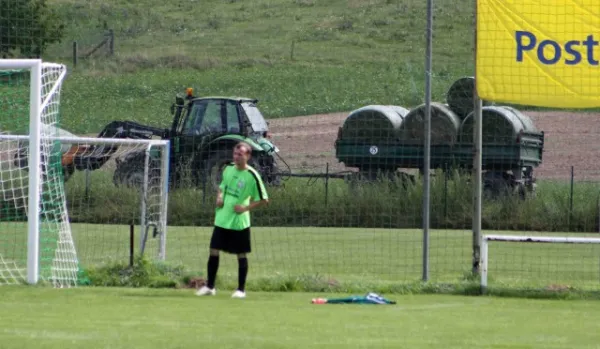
571	196
165	171
326	184
477	170
484	272
131	242
427	154
35	169
477	182
144	198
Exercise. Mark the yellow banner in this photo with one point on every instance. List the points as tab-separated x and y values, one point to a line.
543	53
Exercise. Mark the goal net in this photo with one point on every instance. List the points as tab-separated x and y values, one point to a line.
38	159
553	263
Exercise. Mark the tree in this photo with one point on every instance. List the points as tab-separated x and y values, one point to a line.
27	27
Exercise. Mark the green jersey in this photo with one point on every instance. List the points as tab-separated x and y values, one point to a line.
238	187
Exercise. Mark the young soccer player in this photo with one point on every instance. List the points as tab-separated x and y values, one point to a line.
241	190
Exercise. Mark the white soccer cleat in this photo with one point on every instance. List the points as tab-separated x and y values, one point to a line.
205	291
238	294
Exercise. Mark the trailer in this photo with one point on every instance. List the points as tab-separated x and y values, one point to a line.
380	140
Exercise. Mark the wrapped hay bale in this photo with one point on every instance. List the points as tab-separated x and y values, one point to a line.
444	125
460	96
373	123
500	125
400	110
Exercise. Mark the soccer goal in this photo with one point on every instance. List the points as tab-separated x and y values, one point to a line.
38	158
540	259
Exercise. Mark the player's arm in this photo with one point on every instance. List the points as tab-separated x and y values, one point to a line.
257	203
220	190
251	206
258	196
220	197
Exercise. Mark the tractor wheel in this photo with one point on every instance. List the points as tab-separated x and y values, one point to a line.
216	164
129	175
129	171
213	173
67	172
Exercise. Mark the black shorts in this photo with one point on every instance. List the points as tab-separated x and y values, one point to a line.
231	241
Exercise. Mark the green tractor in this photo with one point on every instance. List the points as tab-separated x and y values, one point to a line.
202	136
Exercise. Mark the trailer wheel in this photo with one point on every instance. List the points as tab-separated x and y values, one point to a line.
497	184
372	174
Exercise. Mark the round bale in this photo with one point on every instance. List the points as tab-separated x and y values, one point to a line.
460	96
444	125
400	110
500	125
373	123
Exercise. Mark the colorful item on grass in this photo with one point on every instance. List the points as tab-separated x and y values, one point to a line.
369	298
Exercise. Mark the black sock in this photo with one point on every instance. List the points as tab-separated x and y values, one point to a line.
213	266
242	273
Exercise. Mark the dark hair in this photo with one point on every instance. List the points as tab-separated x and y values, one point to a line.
245	145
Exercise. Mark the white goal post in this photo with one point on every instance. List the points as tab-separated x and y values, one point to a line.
486	239
35	109
36	160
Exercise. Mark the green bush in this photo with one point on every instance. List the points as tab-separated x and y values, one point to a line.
379	205
152	274
143	273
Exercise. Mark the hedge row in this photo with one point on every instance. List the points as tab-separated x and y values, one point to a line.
378	205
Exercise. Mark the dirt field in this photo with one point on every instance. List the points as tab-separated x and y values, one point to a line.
571	139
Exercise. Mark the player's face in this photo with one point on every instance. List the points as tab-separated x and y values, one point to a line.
240	154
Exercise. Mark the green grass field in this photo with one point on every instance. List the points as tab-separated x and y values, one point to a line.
125	318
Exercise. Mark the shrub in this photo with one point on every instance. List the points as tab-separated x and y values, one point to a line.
381	204
143	273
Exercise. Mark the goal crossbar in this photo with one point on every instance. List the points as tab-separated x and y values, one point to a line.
120	141
485	239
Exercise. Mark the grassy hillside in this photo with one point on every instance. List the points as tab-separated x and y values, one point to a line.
296	56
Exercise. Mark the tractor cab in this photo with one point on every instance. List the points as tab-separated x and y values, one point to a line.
205	130
217	116
211	116
255	120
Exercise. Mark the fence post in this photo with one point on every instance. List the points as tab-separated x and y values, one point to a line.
571	197
131	242
111	42
598	212
292	51
446	174
427	153
74	53
326	184
477	182
477	174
